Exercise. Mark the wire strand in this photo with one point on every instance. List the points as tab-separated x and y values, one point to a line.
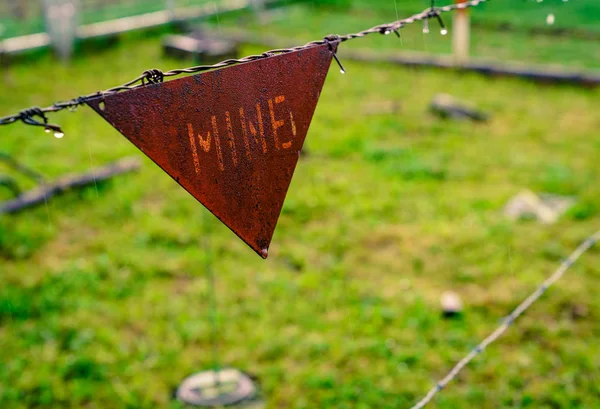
509	320
154	76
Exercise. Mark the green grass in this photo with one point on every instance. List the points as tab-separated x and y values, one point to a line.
102	295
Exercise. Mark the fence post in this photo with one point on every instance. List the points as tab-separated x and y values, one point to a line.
258	5
61	24
170	5
2	56
461	34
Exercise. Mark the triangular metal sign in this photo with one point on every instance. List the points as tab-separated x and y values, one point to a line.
231	137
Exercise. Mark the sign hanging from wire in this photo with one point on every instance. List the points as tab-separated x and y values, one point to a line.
232	133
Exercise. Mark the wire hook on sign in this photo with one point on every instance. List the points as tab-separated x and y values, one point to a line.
332	42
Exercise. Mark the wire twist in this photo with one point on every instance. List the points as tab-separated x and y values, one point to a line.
153	76
156	76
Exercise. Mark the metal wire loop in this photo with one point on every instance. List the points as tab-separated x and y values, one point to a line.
28	116
153	76
332	42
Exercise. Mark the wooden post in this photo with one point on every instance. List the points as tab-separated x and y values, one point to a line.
61	25
258	6
461	34
2	57
170	6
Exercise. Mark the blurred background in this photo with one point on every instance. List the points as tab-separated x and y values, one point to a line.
443	177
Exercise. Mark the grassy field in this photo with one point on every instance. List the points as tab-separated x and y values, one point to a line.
102	295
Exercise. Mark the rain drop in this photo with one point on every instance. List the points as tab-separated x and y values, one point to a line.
550	19
58	134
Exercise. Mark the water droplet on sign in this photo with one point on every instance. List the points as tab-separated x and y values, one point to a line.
58	134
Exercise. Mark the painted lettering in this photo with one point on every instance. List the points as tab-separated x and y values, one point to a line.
277	123
253	131
230	137
292	123
194	151
217	143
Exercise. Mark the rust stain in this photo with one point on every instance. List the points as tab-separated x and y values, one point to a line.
220	148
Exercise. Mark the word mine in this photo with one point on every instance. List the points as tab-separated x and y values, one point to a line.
251	133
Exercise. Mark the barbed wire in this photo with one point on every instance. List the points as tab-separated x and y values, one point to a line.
509	320
36	116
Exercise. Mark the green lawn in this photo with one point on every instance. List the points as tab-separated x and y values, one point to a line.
102	295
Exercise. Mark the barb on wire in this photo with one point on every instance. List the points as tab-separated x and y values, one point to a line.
32	116
510	319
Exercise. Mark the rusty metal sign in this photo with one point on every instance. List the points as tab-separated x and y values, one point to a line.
230	137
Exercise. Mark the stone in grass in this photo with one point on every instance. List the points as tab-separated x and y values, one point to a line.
579	311
446	106
200	47
451	303
545	208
